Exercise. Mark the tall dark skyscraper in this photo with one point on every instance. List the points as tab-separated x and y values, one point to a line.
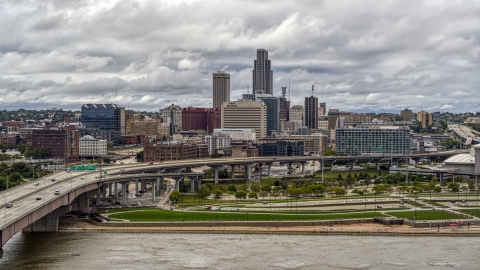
262	73
221	88
311	112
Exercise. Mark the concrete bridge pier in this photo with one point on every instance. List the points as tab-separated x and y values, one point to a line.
98	199
136	187
260	165
377	164
269	170
110	185
192	183
331	165
153	191
161	182
249	171
104	190
352	165
124	193
177	182
48	223
233	172
303	166
290	168
144	185
199	182
115	188
215	169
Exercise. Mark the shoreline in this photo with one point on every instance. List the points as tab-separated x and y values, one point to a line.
363	229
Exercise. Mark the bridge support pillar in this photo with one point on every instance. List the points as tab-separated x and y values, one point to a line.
104	190
233	172
216	175
115	189
177	182
192	184
124	193
260	165
290	168
352	165
199	182
153	191
144	185
98	201
136	187
269	170
161	182
331	166
303	167
48	223
110	185
249	171
377	164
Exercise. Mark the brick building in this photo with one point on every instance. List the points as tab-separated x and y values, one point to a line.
201	119
61	143
161	152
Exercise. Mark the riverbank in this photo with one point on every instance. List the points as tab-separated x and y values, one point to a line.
352	229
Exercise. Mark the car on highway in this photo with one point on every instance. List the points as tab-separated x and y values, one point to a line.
150	163
53	179
36	184
9	205
57	192
82	178
38	198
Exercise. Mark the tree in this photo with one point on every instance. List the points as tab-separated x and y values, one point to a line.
204	191
437	189
255	188
453	186
217	193
266	188
232	188
139	156
243	187
252	195
240	194
263	194
174	196
367	181
106	160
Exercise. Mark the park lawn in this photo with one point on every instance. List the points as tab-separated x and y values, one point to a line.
426	215
475	212
333	175
166	215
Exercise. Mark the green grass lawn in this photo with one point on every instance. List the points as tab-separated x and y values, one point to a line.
475	212
426	215
166	215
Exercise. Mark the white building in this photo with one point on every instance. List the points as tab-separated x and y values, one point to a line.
88	146
217	141
237	134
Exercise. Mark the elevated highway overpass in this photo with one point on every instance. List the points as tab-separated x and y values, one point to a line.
42	215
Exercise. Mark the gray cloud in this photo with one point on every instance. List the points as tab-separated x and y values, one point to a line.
365	56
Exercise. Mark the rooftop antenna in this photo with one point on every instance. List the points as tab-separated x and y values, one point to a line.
312	89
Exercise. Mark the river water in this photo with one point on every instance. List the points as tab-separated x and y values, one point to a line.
196	251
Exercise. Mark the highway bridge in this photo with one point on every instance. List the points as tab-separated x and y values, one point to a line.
37	205
467	136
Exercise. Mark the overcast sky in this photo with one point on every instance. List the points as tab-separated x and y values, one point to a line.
360	55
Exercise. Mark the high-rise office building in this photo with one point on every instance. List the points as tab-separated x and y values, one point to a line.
322	107
406	115
103	121
333	115
311	112
273	112
424	118
262	73
172	115
245	114
221	88
297	114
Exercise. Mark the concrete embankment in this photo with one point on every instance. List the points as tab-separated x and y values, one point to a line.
280	228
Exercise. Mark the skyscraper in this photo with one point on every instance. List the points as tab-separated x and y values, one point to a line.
221	88
245	114
262	73
273	112
311	112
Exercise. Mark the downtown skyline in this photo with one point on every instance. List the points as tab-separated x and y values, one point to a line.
361	56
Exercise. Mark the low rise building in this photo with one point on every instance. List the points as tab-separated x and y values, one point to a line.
168	151
88	146
280	148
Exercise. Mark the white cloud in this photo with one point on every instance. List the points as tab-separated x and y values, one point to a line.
366	55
